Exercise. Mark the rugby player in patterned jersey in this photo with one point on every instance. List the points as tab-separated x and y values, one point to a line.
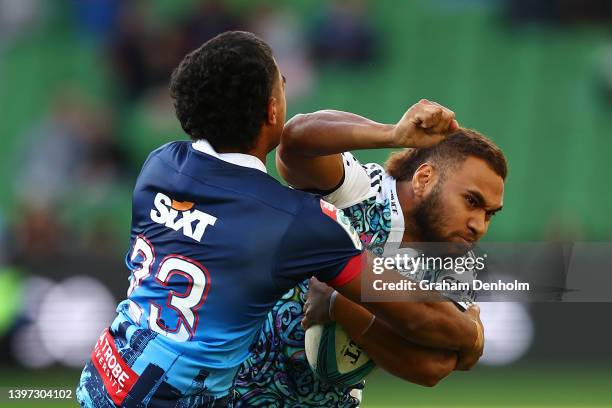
444	192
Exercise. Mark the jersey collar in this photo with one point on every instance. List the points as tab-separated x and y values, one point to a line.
239	159
394	241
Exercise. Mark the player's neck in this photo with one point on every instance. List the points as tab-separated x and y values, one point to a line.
261	154
405	196
266	142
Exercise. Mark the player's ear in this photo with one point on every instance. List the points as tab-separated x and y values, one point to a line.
423	179
272	117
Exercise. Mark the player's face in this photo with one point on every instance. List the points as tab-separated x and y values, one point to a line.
460	208
278	93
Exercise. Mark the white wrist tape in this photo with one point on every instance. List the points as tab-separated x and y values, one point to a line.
332	301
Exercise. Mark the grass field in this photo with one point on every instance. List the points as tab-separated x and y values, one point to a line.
484	387
509	387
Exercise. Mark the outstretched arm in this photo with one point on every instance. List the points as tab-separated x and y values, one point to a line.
308	156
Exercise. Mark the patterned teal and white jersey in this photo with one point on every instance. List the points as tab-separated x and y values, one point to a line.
368	197
277	373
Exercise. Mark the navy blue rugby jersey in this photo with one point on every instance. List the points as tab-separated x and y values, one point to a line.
213	246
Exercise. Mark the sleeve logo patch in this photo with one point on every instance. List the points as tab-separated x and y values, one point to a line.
337	215
328	209
117	376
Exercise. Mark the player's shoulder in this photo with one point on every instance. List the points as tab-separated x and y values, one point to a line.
376	174
308	206
360	182
167	154
350	160
205	172
171	147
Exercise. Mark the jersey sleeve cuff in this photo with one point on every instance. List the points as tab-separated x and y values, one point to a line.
355	186
350	271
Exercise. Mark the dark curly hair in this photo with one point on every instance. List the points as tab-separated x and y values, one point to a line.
453	150
221	90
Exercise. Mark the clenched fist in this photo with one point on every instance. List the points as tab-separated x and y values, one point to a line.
425	124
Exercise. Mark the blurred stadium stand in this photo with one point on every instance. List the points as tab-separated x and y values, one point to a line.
83	96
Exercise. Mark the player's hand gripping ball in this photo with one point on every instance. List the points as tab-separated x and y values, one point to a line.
332	355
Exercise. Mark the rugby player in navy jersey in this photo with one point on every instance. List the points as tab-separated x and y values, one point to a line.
447	192
215	242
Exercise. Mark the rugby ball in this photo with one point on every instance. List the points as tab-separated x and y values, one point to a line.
334	357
